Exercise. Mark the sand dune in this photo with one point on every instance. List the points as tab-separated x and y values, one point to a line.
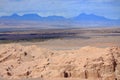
90	63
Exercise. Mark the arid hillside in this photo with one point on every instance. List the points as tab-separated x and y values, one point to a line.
90	63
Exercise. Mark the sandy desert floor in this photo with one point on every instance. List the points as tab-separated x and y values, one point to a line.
88	55
74	38
64	44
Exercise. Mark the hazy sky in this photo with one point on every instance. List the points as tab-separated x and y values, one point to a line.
66	8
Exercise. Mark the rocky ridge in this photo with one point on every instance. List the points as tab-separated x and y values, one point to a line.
90	63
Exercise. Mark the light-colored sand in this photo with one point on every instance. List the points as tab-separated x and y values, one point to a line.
76	43
91	63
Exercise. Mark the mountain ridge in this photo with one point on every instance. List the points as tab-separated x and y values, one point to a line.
87	17
80	17
30	17
81	20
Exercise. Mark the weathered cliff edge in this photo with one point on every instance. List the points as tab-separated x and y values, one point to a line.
90	63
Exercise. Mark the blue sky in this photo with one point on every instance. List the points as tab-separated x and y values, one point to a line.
66	8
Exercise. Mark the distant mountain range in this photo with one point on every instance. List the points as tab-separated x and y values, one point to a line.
82	19
89	17
31	17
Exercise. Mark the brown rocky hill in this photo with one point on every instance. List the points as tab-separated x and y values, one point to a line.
90	63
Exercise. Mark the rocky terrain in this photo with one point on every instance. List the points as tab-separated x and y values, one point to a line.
89	63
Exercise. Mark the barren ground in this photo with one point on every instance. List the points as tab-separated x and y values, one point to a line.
77	54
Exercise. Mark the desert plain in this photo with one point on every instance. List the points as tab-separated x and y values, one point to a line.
60	54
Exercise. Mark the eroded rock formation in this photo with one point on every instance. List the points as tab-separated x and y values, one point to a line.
17	62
